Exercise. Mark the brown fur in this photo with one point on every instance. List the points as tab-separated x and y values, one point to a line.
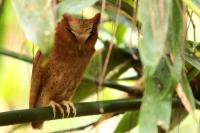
72	51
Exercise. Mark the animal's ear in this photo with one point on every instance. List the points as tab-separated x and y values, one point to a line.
67	16
96	18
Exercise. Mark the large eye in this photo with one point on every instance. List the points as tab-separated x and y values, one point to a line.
92	32
68	29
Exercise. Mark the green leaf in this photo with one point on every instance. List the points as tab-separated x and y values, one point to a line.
176	39
154	16
3	13
189	95
124	6
193	5
130	2
193	72
128	121
192	59
122	19
37	20
157	100
121	30
73	6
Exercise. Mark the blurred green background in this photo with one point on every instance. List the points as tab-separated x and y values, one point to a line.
15	75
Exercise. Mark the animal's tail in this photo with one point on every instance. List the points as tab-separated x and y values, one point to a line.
37	125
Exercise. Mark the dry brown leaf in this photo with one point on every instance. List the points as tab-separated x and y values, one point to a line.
103	118
184	100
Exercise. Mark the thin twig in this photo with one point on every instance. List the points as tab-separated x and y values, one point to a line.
74	129
193	25
191	5
130	90
17	127
107	59
81	127
136	92
16	55
133	91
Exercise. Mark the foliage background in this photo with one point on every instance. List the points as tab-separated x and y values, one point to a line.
15	74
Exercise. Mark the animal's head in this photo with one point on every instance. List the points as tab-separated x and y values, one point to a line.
78	32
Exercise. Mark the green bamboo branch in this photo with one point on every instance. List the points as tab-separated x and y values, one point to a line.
83	109
134	91
15	55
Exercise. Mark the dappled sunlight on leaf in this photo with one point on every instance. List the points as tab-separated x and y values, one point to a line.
37	20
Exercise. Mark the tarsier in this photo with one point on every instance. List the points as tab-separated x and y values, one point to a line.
55	82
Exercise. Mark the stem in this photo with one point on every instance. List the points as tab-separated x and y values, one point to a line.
136	92
92	125
16	55
82	109
74	129
130	90
192	6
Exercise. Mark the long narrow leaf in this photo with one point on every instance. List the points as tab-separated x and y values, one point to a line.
154	17
156	106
